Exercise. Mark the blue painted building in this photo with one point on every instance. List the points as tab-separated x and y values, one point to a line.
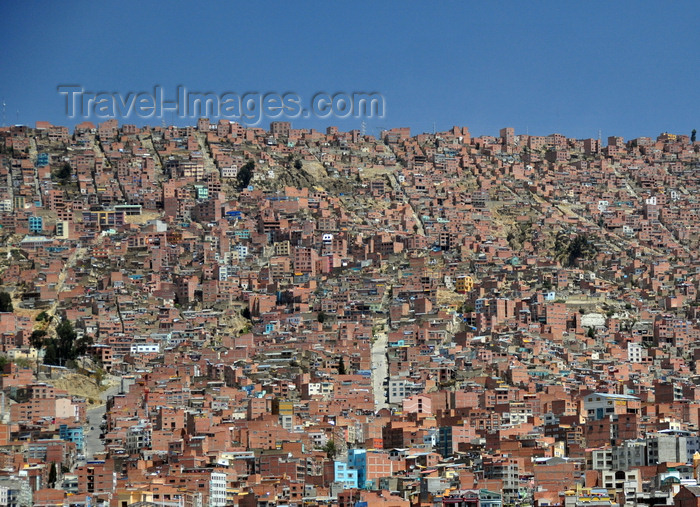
36	224
344	475
72	434
357	460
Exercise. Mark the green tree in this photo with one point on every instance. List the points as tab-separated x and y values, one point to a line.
52	475
321	317
22	362
42	317
64	172
66	339
5	302
245	174
36	339
81	346
245	313
66	346
330	449
693	135
341	366
576	249
568	251
51	353
297	164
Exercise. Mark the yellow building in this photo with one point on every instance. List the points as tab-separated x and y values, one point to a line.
464	284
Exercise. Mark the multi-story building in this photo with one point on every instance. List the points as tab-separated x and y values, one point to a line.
600	405
507	471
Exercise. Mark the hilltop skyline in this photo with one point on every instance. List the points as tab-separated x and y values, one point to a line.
377	134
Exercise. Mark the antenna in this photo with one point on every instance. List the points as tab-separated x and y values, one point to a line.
4	113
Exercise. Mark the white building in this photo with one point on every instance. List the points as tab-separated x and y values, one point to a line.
400	388
217	489
635	352
229	171
145	348
324	389
600	405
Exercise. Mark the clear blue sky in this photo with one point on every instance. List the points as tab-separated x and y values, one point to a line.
627	68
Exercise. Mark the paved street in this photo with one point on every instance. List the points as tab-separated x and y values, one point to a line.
93	443
380	371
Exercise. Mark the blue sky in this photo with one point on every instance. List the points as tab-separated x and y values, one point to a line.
626	68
